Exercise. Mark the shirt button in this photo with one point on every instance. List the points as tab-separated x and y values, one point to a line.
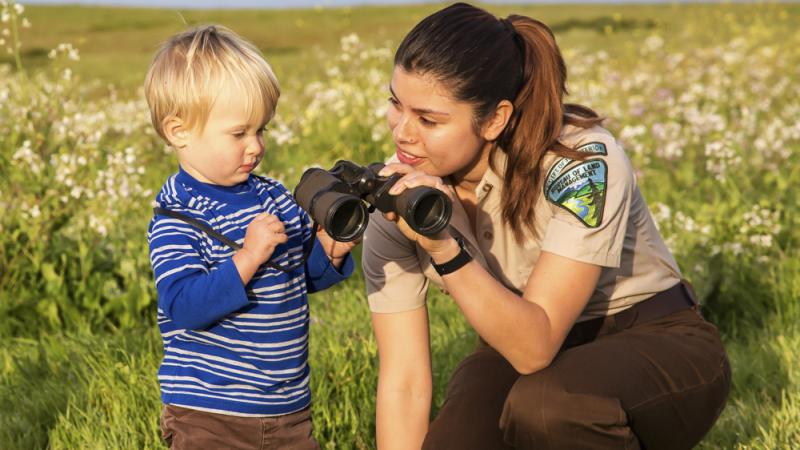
488	235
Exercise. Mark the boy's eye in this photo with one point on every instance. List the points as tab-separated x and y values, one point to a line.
239	134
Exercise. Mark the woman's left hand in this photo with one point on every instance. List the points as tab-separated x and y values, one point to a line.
443	241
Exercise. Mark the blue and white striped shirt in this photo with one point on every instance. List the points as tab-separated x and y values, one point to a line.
229	348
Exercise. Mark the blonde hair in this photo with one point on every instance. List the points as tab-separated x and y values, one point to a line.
189	70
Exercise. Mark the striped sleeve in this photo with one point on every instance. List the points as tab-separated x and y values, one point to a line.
321	274
192	293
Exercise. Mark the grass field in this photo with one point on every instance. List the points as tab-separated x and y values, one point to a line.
705	99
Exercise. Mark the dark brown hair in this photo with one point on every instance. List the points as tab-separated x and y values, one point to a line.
484	60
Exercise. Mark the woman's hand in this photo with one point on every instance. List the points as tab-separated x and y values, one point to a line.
440	244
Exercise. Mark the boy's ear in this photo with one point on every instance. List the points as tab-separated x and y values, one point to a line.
175	131
496	122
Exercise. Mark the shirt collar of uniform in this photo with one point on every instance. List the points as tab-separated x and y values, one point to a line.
491	179
487	190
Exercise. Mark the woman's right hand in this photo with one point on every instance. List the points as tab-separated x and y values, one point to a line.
440	244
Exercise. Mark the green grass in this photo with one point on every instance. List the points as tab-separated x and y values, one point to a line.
81	390
118	43
80	347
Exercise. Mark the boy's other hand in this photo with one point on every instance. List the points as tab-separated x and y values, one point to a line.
335	250
264	233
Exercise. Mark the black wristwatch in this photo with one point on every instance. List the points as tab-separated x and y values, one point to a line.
459	261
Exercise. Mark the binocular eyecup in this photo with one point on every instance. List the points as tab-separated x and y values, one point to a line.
336	198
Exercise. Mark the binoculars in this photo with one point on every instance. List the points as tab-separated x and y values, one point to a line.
335	199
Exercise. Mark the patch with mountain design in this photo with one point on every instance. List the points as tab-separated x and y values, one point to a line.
581	191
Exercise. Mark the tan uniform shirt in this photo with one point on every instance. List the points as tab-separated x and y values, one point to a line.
590	211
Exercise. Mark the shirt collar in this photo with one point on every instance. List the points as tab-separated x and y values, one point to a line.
235	194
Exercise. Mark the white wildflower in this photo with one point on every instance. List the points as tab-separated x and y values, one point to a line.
653	43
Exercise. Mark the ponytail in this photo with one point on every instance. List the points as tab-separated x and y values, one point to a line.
537	122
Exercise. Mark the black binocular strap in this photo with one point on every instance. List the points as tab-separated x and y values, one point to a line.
233	244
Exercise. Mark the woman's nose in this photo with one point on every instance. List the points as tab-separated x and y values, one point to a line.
403	131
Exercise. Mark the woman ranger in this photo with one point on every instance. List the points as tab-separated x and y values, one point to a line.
589	336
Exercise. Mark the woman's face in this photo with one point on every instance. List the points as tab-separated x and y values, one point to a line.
431	130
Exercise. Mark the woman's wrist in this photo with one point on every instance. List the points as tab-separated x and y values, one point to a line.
444	251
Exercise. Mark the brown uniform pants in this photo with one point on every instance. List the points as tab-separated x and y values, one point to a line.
639	382
184	428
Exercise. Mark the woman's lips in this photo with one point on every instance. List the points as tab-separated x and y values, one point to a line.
407	158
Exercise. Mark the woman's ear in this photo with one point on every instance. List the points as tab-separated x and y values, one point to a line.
497	121
175	131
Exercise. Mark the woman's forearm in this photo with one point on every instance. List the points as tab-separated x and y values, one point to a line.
404	378
519	327
402	416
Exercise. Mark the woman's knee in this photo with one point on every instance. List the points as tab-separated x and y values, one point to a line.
529	400
540	412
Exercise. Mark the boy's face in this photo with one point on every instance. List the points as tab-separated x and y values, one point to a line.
229	147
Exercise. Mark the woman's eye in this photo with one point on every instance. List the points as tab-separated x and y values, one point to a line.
393	101
426	122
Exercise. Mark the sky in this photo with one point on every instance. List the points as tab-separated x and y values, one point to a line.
226	4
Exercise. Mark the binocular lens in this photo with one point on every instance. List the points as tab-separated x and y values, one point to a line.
344	216
427	210
431	214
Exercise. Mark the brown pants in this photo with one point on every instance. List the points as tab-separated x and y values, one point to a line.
660	384
184	428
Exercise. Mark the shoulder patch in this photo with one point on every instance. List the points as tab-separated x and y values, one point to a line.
593	147
581	191
597	148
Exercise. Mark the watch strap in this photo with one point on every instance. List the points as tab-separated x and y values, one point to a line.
457	262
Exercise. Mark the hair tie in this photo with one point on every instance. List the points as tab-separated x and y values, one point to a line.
509	27
515	36
519	43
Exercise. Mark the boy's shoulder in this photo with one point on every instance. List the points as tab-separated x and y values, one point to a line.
269	183
179	198
275	189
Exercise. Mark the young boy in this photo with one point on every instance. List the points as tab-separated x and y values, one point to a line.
235	332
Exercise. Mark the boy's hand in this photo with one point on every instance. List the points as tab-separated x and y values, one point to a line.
335	250
263	234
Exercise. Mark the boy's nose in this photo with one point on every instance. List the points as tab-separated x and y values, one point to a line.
255	147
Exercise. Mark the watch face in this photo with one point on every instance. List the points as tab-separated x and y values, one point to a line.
463	244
